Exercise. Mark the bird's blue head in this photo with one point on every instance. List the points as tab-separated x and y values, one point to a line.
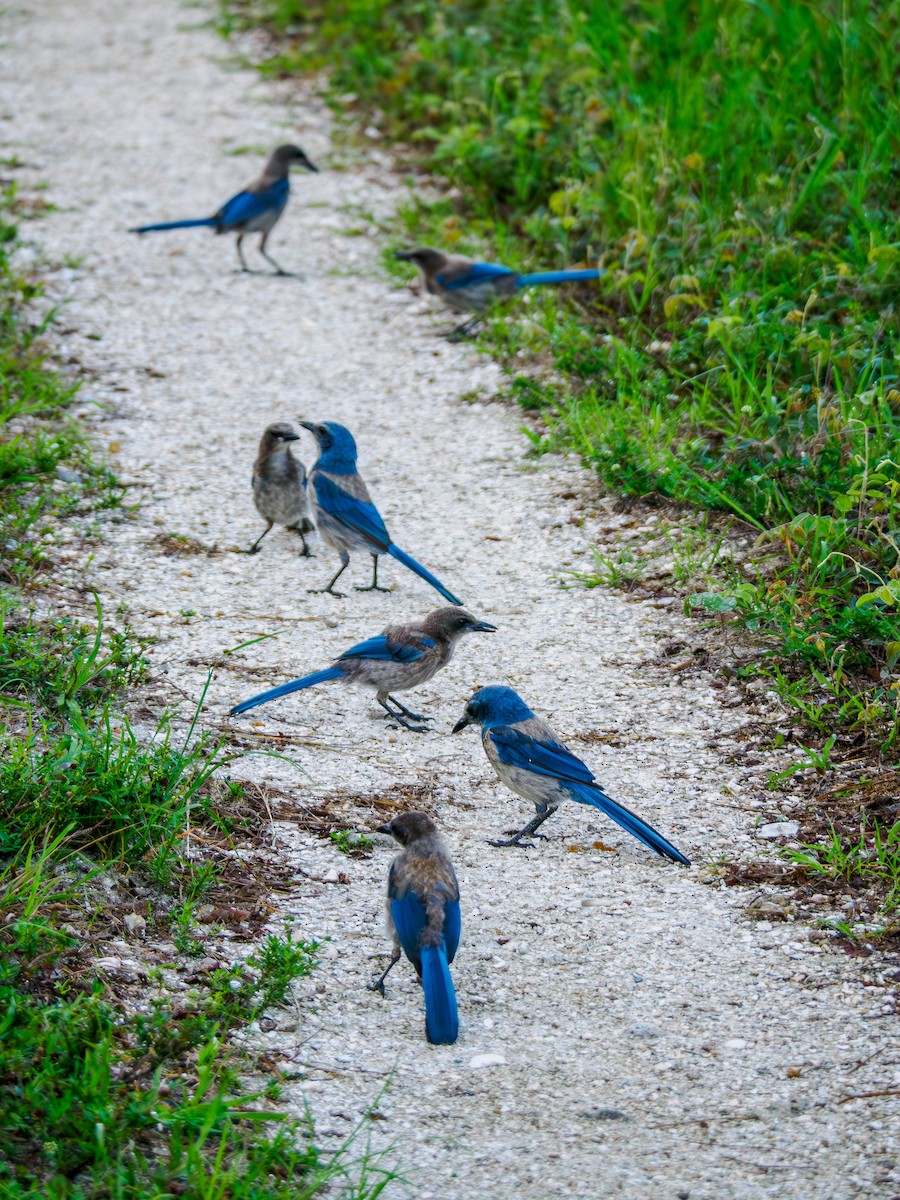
494	706
337	449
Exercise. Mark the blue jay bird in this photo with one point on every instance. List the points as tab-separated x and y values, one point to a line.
531	761
402	657
345	515
279	485
472	287
423	918
254	210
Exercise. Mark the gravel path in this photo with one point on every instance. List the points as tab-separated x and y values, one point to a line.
647	1038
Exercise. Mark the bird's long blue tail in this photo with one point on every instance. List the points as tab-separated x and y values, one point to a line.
403	557
285	689
441	1017
628	820
543	277
208	221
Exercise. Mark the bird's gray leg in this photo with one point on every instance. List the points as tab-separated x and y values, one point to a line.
373	586
461	332
345	559
401	720
240	252
407	712
378	984
279	270
526	831
305	552
253	549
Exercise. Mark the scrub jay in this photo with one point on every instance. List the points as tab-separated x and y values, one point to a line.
472	287
279	485
345	515
254	210
402	657
423	918
525	753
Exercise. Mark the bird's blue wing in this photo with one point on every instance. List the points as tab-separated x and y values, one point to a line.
480	272
410	920
518	749
385	650
247	205
452	928
360	515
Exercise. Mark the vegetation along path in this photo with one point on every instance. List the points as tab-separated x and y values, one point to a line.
626	1028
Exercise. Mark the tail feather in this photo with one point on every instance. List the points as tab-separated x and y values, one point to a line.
441	1017
628	820
543	277
402	557
285	689
210	222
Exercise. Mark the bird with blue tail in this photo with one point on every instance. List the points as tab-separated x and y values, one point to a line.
344	513
256	209
402	657
470	286
533	763
279	485
423	918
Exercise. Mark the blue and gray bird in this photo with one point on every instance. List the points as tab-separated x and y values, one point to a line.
472	287
279	485
254	210
423	918
344	513
531	761
402	657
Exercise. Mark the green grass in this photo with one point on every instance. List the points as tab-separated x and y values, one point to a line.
37	437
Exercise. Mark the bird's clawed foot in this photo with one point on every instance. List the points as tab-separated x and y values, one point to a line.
513	841
372	587
407	712
406	725
376	986
326	592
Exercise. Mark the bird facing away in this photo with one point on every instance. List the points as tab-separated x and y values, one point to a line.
531	761
279	485
254	210
344	513
402	657
472	287
423	918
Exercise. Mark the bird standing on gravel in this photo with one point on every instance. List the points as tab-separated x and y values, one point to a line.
254	210
470	286
531	761
423	918
279	485
402	657
345	515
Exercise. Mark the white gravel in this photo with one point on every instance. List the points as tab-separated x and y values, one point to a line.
626	1030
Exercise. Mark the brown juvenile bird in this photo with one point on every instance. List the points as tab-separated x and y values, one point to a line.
279	485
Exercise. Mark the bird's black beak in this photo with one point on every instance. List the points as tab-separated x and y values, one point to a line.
482	627
309	166
291	437
462	723
310	425
403	255
385	829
